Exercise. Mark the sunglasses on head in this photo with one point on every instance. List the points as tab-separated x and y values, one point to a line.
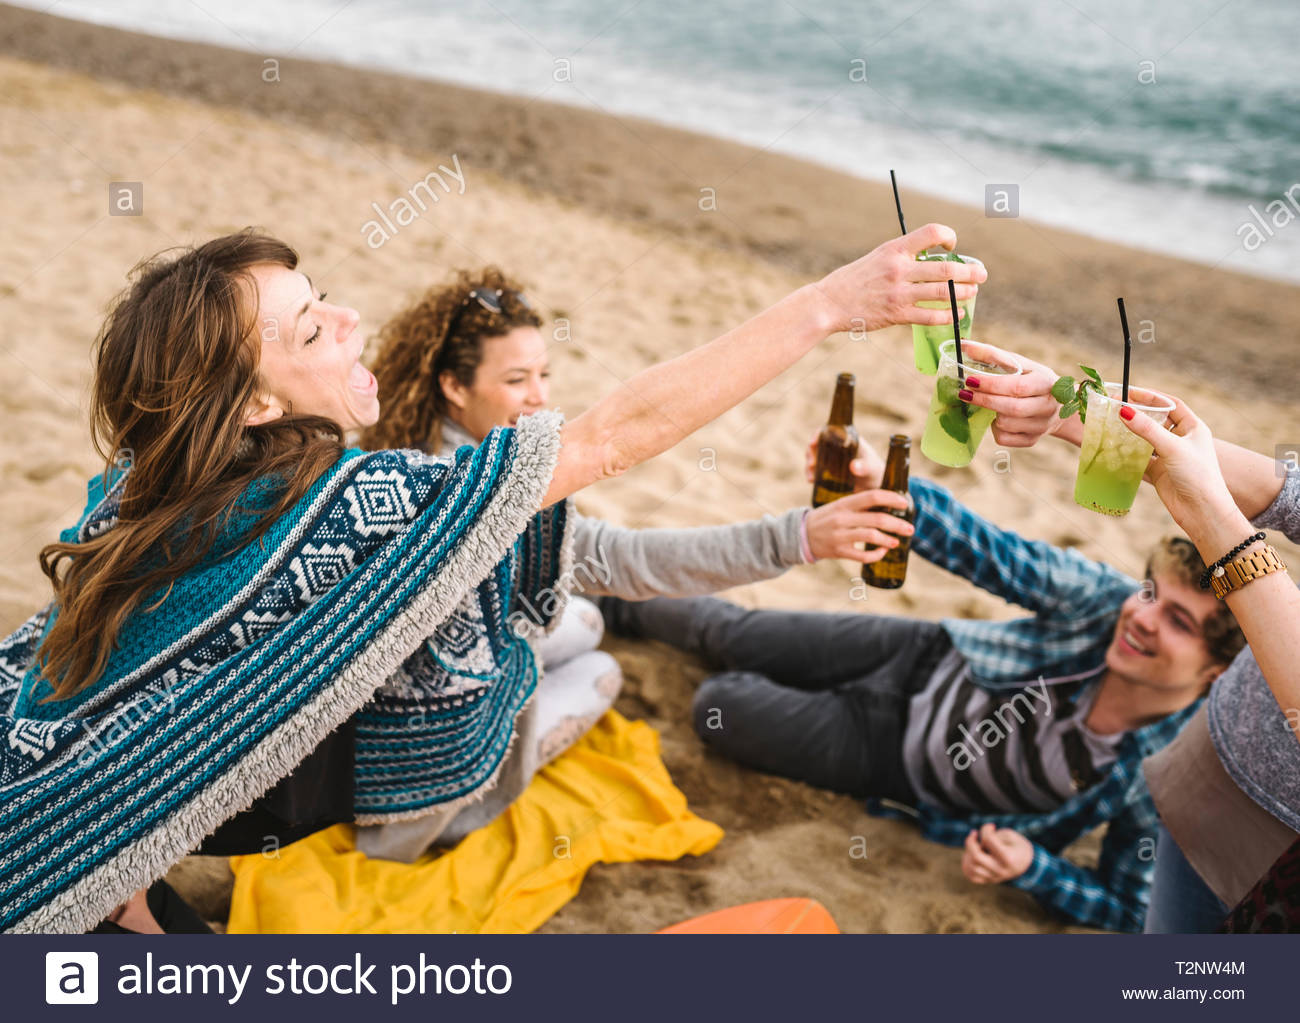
490	298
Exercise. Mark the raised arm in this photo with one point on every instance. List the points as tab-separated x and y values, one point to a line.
1032	574
637	564
1252	479
1186	474
1027	411
662	405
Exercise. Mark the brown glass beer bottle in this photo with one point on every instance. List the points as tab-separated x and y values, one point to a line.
837	446
889	572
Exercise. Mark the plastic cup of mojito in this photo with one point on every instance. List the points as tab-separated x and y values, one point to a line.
1112	457
954	429
926	340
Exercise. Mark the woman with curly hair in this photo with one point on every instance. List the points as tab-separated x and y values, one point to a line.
469	356
242	586
462	359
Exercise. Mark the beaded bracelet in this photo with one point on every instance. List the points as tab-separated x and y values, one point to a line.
1255	538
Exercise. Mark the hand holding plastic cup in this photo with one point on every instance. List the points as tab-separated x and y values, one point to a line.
1185	471
927	340
1112	458
955	428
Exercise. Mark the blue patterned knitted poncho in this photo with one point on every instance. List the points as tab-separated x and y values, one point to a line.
392	588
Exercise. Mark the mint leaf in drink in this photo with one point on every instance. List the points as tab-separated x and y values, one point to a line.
1063	390
955	424
946	389
1073	395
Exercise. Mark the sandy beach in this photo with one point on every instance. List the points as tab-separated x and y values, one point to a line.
601	217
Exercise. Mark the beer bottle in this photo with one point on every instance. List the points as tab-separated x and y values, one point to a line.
837	446
889	572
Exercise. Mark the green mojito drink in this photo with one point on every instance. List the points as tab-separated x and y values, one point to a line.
1112	457
954	429
926	340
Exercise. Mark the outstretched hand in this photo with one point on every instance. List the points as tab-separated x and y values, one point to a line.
883	287
868	468
835	530
1185	467
1024	403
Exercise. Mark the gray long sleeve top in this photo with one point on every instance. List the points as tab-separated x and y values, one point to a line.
638	564
1247	725
642	563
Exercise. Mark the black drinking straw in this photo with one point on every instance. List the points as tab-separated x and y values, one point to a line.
956	332
1128	347
897	203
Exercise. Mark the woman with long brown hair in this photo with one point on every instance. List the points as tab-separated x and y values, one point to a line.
246	585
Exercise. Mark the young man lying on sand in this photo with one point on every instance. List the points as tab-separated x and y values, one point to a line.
1013	738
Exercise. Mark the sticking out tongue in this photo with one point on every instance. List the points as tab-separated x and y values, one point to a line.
361	379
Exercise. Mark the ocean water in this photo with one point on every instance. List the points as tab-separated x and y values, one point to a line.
1159	124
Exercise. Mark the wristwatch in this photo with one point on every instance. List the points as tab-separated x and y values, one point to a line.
1246	568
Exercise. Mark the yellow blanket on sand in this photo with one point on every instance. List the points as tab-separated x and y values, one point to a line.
608	799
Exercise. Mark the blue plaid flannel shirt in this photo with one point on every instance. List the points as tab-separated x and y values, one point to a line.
1075	604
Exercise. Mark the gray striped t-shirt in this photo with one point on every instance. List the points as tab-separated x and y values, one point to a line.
1025	750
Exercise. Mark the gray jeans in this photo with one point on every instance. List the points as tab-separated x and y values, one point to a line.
820	698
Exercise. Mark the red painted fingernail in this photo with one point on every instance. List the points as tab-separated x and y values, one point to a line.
965	395
972	381
1126	413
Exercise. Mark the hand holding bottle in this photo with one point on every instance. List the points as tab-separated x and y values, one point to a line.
838	529
867	468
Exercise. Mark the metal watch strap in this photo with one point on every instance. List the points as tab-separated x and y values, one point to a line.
1245	568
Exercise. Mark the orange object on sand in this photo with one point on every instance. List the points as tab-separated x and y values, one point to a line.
773	916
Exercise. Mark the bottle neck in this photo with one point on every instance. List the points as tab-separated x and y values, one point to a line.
896	468
842	404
